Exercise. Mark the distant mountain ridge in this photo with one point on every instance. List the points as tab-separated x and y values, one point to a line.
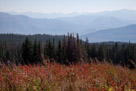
124	34
116	13
47	15
25	25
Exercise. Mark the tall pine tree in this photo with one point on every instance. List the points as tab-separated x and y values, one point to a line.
27	50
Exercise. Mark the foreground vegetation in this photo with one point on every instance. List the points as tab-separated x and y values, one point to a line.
76	77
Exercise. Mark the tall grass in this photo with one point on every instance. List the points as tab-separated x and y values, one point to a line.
75	77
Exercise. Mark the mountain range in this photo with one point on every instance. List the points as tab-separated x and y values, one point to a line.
86	25
26	25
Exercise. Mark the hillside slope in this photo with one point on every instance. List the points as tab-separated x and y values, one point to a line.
124	34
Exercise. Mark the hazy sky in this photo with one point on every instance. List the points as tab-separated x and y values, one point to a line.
65	6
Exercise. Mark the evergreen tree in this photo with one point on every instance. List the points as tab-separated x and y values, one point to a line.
84	52
39	52
70	48
87	47
45	50
101	53
79	50
8	55
27	51
64	57
115	54
35	52
49	50
93	51
54	49
122	57
59	53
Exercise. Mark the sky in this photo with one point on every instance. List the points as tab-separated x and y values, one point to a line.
65	6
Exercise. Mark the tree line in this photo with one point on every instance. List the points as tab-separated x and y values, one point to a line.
67	50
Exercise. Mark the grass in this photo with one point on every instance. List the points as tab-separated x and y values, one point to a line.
76	77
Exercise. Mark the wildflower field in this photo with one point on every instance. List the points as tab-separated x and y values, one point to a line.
76	77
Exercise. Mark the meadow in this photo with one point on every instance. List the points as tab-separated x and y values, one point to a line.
76	77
